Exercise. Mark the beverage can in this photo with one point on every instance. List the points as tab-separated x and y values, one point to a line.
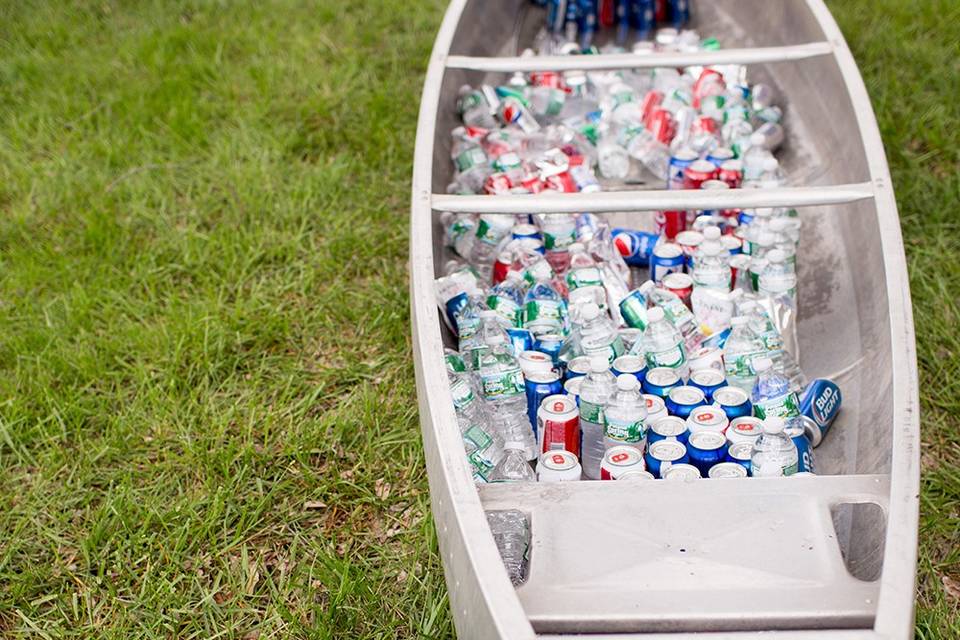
667	427
727	470
682	473
660	380
558	466
681	400
558	422
664	454
707	418
620	460
706	448
667	258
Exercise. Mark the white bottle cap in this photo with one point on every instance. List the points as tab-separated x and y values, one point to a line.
626	382
762	364
776	255
590	311
711	233
773	425
599	364
770	164
654	315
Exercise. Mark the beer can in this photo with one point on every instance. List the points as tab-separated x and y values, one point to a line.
727	470
550	344
620	460
679	161
635	247
707	418
734	401
520	340
667	258
666	428
681	284
683	399
708	381
656	408
630	364
579	366
794	430
820	404
663	454
534	362
682	473
540	385
558	424
744	429
660	380
706	448
558	466
740	453
572	388
706	357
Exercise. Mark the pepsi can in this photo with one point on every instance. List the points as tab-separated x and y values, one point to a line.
635	247
668	428
734	401
682	473
540	384
664	454
684	399
706	448
520	340
795	430
819	405
633	365
550	344
740	453
680	160
660	380
720	155
708	381
667	258
579	366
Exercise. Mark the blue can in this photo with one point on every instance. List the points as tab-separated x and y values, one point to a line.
684	399
549	344
453	307
660	380
734	401
540	384
805	462
680	160
667	258
745	217
708	381
642	16
520	340
634	365
819	405
740	453
668	428
587	18
679	12
663	454
706	448
720	155
579	366
636	247
556	15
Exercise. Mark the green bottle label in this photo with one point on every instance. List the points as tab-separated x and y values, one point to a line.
505	308
590	412
502	385
785	406
624	431
584	277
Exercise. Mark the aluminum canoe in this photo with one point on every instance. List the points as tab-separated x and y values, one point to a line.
831	556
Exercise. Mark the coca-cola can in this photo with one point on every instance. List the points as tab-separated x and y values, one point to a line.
731	172
502	266
680	284
662	126
670	223
558	466
697	173
558	424
650	103
619	461
497	184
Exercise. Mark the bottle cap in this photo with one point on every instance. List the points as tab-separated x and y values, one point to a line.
654	314
776	255
599	364
762	364
711	233
770	164
773	425
626	382
590	311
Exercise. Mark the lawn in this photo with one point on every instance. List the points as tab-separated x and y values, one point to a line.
208	425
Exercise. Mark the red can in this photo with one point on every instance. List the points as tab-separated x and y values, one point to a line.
650	103
707	77
558	424
662	125
619	461
546	79
681	284
704	125
697	173
731	172
497	183
502	266
562	182
670	223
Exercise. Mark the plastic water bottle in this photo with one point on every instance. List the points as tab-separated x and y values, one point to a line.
774	452
598	336
506	299
711	288
663	345
502	386
544	310
613	158
777	280
584	281
477	343
595	392
482	443
491	229
771	395
475	108
739	352
783	362
625	414
559	232
513	466
511	533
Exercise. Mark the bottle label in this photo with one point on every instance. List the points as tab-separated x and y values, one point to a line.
676	312
590	412
481	467
455	363
542	309
462	393
478	438
785	406
625	431
504	384
475	354
470	158
486	233
672	358
584	277
740	366
611	351
505	308
558	241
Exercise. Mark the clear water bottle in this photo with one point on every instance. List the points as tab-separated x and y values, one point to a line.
559	232
774	452
739	352
511	533
710	299
470	160
475	108
613	158
663	345
595	392
513	466
777	280
783	241
653	154
783	362
771	395
467	317
477	343
598	336
492	228
771	175
584	282
544	311
625	414
502	386
676	312
482	443
506	299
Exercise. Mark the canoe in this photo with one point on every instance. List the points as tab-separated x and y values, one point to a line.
826	556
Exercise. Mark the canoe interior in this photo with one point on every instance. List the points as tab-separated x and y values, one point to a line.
844	328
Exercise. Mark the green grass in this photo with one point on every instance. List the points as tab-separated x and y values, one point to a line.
207	417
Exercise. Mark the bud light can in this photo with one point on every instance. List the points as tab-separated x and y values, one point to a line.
520	340
660	380
620	460
668	427
667	258
706	448
558	466
819	404
740	453
540	385
558	424
630	364
683	399
795	429
635	247
708	381
679	161
734	402
664	454
579	366
550	344
682	473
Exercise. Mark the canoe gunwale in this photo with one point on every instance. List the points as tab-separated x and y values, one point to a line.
483	602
